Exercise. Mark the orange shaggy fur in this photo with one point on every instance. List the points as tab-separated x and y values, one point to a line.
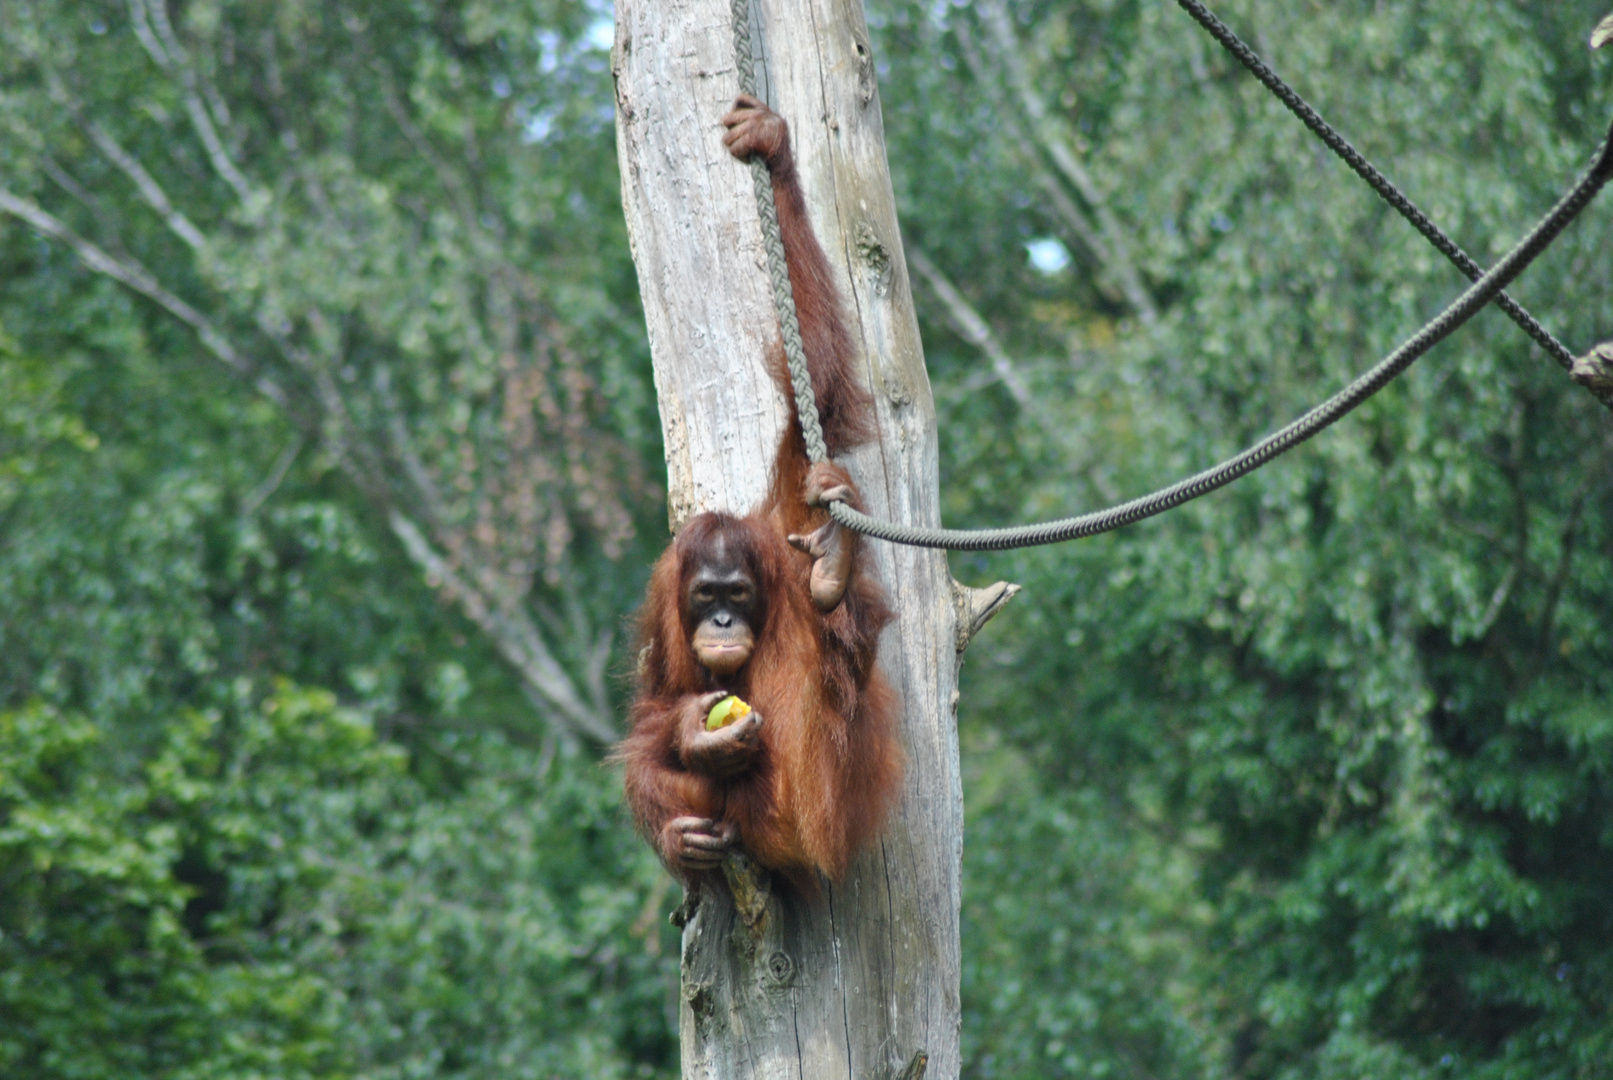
830	763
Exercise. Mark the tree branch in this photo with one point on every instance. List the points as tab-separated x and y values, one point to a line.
1080	231
165	48
68	183
453	186
496	605
132	274
149	189
271	483
1009	59
968	323
511	629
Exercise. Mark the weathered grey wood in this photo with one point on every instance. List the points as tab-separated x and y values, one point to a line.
860	981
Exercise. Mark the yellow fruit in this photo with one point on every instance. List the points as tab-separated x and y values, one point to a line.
727	711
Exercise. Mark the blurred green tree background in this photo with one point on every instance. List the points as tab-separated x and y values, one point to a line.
329	477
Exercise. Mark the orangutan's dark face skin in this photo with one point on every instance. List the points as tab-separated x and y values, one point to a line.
724	607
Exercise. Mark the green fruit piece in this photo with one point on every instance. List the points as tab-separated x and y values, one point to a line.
719	712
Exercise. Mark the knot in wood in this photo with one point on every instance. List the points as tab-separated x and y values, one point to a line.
778	970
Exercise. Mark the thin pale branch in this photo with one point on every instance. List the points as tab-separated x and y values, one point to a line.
452	184
512	633
461	190
481	594
477	591
131	273
1498	601
1009	57
165	48
426	489
1081	231
1074	219
576	626
149	189
277	474
68	183
597	662
968	323
151	192
285	132
148	40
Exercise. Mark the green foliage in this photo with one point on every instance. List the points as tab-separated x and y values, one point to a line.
399	225
384	862
257	899
1310	779
134	912
211	871
1355	695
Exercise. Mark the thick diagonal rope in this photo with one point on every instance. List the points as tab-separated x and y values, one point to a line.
1318	419
1487	288
1385	188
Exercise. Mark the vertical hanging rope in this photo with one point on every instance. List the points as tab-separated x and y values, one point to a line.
778	269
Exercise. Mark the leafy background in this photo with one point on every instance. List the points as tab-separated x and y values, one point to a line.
327	491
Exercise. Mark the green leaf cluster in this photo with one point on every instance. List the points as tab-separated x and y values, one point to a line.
1312	778
269	894
1308	779
272	807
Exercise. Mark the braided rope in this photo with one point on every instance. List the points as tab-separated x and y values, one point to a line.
1318	419
1381	184
778	269
1487	287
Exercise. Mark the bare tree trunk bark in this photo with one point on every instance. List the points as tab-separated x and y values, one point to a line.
861	981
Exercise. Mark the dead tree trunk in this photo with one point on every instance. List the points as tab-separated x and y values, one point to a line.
862	981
